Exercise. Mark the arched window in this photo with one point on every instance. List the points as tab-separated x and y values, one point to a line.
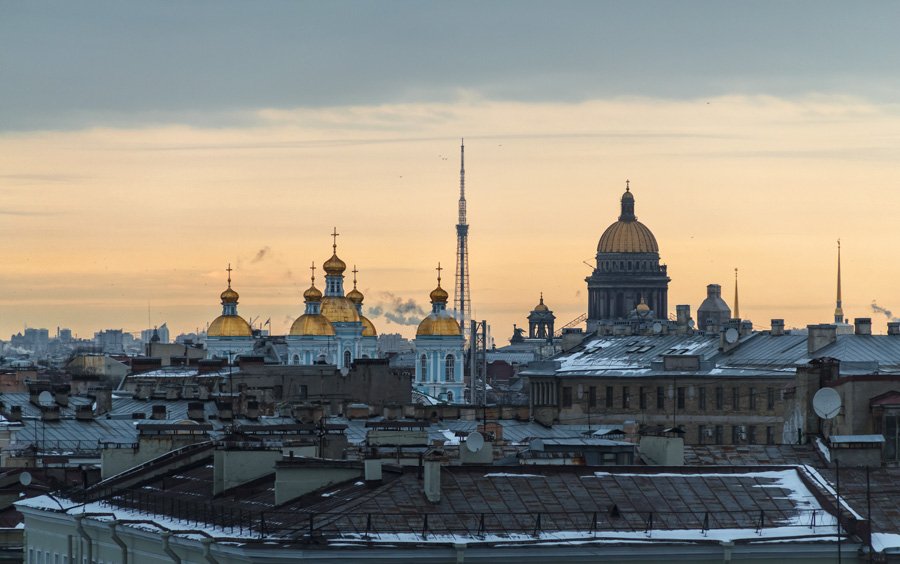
449	396
296	359
347	359
423	368
448	368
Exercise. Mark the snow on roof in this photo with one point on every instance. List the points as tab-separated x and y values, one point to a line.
844	439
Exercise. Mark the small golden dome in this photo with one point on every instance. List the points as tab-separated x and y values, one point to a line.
438	325
642	307
339	310
313	294
355	296
368	327
439	294
229	296
541	307
334	266
229	326
312	325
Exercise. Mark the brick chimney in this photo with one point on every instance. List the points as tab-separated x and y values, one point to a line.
820	336
893	327
777	327
862	326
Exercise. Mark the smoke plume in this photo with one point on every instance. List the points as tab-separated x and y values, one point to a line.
885	312
260	254
397	310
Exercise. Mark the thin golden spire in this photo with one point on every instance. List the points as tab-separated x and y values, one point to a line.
737	305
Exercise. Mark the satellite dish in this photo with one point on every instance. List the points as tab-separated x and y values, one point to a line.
474	442
691	323
657	327
25	478
731	335
45	399
827	403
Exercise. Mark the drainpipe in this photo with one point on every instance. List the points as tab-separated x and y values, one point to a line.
118	540
207	544
167	549
80	528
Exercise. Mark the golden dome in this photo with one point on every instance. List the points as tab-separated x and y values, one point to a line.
334	266
313	294
541	307
229	326
229	296
312	324
339	310
642	307
355	296
628	235
438	325
439	294
368	327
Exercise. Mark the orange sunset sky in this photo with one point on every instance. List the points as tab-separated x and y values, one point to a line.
134	167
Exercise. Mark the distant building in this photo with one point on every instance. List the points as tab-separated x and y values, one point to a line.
110	341
161	333
393	344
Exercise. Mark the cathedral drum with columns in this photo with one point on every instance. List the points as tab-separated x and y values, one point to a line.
628	273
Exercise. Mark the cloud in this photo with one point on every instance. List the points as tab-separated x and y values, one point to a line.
260	255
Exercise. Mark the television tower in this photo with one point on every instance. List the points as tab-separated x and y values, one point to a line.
462	299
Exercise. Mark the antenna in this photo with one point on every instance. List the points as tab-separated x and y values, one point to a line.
827	403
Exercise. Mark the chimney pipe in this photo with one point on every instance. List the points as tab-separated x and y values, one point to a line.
862	325
158	413
432	479
893	327
820	336
373	469
777	327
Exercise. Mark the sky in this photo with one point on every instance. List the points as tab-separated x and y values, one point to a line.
144	146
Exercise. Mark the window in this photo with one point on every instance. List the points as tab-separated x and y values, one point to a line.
701	434
346	359
751	395
449	396
751	434
609	396
681	398
642	397
736	397
626	397
304	391
592	396
701	398
770	435
720	398
770	398
423	368
448	369
660	397
567	396
720	435
735	434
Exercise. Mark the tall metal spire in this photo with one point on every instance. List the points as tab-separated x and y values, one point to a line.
462	301
838	310
737	306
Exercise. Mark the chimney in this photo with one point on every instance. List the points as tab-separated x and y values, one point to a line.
252	410
683	314
195	411
746	327
61	394
373	469
15	413
432	478
820	336
50	413
893	327
158	413
84	413
226	413
777	327
862	325
103	396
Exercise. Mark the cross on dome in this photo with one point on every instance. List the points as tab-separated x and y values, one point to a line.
229	274
334	236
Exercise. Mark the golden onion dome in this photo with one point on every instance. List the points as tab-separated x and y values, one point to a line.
310	324
313	294
339	309
334	266
628	235
642	307
229	296
438	325
439	294
355	296
229	326
368	327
